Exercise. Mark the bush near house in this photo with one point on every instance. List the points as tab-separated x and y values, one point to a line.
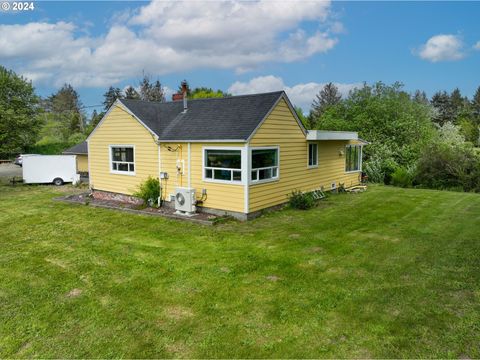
149	191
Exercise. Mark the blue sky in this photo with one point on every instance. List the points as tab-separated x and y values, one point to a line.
244	47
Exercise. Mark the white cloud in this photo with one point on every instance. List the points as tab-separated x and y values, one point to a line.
166	37
477	46
442	48
300	94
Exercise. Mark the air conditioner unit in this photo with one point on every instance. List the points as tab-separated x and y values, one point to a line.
185	201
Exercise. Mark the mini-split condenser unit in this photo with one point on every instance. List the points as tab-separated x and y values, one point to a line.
185	201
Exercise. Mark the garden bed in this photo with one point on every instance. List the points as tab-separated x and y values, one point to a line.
164	211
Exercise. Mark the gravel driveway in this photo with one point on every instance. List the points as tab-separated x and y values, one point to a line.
10	170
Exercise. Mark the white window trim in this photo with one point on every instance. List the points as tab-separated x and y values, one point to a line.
276	178
229	182
116	172
308	156
360	160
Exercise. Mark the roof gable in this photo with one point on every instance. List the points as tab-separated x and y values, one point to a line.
224	119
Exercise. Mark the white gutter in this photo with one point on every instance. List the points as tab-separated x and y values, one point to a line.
331	135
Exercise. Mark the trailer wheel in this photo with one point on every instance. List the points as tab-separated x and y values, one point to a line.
57	181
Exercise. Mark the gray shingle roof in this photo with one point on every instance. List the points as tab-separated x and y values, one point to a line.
230	118
78	149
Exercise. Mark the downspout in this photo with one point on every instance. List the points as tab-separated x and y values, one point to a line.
159	171
189	166
246	178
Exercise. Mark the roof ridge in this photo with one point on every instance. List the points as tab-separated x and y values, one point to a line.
203	99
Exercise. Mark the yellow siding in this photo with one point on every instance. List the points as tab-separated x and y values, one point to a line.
82	163
281	129
219	196
121	128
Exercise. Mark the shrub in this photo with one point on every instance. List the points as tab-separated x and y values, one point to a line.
402	177
149	191
445	166
302	201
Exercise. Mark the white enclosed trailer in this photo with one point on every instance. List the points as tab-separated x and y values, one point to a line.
56	169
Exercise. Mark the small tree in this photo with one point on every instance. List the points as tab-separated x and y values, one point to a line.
131	93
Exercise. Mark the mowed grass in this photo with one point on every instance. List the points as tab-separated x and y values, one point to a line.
388	273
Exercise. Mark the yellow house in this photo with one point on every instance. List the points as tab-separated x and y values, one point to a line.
241	154
81	150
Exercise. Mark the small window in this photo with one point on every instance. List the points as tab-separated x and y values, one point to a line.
264	164
353	158
223	165
122	159
312	155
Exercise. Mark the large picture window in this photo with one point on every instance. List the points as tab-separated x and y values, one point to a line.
223	165
353	158
312	155
264	164
122	159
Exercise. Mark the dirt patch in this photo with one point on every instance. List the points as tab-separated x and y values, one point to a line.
294	236
273	278
178	312
315	249
178	349
57	262
224	269
74	293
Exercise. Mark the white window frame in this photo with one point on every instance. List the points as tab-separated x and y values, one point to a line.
119	172
360	156
308	155
250	155
218	181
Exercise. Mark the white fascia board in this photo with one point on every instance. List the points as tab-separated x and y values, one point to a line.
331	135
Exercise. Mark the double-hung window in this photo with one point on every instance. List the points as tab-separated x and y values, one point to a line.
312	155
353	158
122	159
223	165
264	164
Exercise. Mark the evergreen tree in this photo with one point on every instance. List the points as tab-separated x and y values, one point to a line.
66	109
476	104
420	97
111	96
328	96
131	93
444	110
151	92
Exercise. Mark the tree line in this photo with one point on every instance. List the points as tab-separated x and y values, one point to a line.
49	125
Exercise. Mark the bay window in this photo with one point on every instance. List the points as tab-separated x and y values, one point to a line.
122	159
223	165
264	164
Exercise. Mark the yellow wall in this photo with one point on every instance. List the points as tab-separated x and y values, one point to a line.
219	196
281	129
82	163
121	128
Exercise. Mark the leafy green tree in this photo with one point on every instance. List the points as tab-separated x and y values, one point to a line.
131	93
19	120
111	96
328	96
206	93
396	125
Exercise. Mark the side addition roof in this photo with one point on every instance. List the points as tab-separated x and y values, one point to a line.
79	149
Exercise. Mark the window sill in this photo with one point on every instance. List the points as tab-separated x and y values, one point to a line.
224	182
353	171
312	167
128	173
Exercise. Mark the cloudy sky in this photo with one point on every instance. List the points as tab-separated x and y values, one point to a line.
244	47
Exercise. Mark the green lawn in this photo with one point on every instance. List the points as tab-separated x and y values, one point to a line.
388	273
